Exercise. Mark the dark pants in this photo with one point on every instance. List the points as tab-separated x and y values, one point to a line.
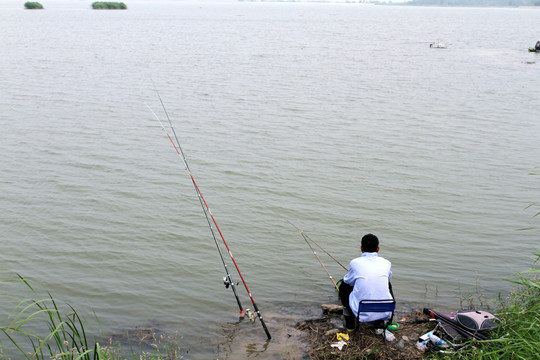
344	292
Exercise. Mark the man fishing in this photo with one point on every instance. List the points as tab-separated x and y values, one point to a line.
368	278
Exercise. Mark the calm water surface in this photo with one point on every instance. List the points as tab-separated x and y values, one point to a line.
339	118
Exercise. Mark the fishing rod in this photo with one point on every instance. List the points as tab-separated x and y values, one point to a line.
304	235
208	214
315	253
228	278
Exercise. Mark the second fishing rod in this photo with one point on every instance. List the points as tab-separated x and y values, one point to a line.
211	222
310	241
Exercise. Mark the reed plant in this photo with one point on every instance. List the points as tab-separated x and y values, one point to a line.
65	336
39	329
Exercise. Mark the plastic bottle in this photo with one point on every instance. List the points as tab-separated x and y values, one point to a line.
436	340
421	345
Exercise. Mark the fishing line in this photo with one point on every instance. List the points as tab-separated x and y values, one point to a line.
208	214
319	246
307	240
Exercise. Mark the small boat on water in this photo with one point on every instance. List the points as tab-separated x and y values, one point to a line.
438	45
536	47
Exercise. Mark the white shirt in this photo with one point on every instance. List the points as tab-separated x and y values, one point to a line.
370	275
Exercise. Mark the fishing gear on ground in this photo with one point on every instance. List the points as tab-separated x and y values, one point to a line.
453	330
466	324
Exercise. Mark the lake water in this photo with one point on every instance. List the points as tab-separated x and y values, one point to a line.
337	117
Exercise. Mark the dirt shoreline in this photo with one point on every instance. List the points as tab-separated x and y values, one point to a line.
322	332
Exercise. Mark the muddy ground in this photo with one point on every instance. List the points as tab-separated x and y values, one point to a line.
322	332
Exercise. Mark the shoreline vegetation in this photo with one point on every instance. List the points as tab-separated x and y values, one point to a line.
97	5
33	5
533	4
517	337
108	5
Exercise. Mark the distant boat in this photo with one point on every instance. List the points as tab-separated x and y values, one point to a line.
531	49
438	45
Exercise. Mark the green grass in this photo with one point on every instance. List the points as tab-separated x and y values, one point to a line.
518	337
100	5
32	5
40	329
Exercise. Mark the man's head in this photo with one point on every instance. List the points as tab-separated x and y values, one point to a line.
370	243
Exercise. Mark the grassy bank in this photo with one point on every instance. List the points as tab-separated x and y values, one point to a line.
519	335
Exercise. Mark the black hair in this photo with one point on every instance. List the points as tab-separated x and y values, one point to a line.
370	243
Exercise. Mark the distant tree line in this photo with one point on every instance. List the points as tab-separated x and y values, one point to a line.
32	5
475	2
109	5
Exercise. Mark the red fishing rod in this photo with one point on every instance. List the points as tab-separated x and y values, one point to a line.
208	214
228	278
